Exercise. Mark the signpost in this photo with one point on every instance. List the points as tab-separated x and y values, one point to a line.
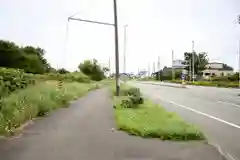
183	76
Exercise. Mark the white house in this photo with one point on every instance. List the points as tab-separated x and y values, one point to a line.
217	69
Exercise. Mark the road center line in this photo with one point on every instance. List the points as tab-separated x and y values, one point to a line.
204	114
232	104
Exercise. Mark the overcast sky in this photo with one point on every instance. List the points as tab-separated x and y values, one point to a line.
155	28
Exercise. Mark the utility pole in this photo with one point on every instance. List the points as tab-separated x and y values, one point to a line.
125	48
239	62
193	63
116	47
238	21
159	69
190	68
109	66
115	39
173	72
149	70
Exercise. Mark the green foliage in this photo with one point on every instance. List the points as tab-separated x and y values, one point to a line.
220	78
131	101
234	77
69	77
166	74
227	67
151	120
179	81
30	59
62	71
13	79
131	91
92	69
130	97
200	61
35	101
215	84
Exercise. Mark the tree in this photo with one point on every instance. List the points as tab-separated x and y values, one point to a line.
92	69
30	59
62	71
105	69
227	67
200	61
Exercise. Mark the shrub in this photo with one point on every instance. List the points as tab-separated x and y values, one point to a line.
136	100
176	81
220	78
133	91
215	83
131	101
13	79
127	103
130	97
69	77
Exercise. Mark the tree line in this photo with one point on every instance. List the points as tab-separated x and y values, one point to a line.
31	59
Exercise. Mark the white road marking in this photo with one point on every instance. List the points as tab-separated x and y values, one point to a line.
204	114
229	155
232	104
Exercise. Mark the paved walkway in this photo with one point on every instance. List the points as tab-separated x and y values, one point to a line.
84	132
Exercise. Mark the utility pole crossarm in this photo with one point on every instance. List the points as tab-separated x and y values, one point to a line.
89	21
115	39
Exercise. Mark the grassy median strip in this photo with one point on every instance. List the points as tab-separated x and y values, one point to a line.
36	101
152	120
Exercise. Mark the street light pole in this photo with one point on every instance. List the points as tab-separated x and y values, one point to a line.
193	56
116	47
125	48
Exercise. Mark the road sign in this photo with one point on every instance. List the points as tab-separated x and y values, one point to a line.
184	71
182	76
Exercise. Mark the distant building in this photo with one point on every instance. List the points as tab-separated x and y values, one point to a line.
142	74
217	69
178	64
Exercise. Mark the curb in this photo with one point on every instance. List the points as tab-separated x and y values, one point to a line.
166	85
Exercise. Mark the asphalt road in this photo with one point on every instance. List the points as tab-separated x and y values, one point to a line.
215	110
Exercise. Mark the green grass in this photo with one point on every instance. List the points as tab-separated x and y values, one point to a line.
225	84
151	120
37	100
